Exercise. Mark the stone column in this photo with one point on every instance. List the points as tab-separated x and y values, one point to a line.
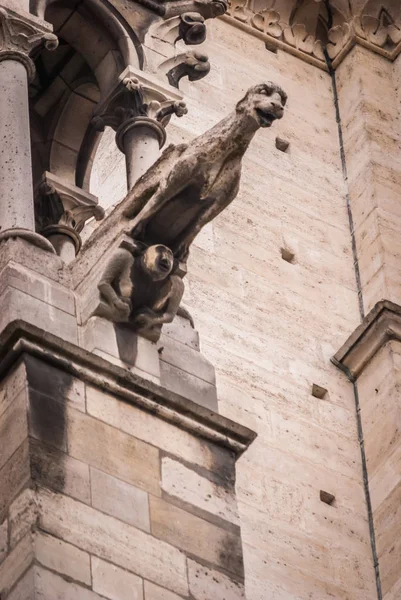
61	213
20	35
138	109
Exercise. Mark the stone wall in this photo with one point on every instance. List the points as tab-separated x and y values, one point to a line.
272	289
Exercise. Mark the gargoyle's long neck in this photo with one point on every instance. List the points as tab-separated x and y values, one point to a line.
232	134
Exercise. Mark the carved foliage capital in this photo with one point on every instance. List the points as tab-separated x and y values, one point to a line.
20	37
134	103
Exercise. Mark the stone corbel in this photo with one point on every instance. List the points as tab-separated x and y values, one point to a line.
194	65
381	325
21	37
138	109
61	213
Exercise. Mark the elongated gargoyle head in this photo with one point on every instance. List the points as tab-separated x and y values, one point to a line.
264	103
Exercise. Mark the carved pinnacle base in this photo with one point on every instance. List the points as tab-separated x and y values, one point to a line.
29	236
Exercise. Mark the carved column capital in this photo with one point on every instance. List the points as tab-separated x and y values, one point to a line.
21	36
138	102
64	209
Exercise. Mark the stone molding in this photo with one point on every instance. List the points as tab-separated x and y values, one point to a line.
20	337
380	326
376	26
63	208
21	36
138	100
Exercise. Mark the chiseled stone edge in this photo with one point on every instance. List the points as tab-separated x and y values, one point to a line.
381	325
20	337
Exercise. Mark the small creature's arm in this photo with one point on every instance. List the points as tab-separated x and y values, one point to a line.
113	272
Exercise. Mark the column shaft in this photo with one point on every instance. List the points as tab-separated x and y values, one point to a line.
16	201
141	146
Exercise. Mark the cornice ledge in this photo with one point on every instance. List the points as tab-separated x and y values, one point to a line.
381	325
20	338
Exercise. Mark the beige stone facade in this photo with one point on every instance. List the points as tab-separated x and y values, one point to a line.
250	449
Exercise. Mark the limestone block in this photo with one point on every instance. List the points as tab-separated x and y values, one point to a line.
13	427
114	541
181	331
206	583
15	564
49	586
63	558
14	476
3	540
55	383
25	587
191	361
47	420
154	592
29	282
186	385
146	427
122	346
187	485
21	252
22	517
11	386
19	305
196	536
115	583
120	500
59	472
130	459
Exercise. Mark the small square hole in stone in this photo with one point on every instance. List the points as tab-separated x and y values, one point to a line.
287	255
318	391
282	145
327	498
271	47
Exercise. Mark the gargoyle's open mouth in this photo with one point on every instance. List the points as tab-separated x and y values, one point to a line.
164	265
265	118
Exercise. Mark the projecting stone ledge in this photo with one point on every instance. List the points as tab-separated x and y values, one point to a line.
109	481
380	326
20	338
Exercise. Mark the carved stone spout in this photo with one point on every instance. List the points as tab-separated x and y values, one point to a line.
185	189
191	184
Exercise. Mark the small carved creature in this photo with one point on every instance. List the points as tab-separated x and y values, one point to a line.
139	286
191	184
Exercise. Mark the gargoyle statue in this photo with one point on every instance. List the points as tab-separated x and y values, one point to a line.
192	183
139	286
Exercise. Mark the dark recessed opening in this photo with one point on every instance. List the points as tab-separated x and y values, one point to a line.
318	391
287	255
327	498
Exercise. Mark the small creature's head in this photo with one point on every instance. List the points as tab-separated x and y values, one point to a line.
158	262
264	103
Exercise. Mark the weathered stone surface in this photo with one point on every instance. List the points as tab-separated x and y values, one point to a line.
130	459
13	427
119	499
187	485
59	472
205	583
53	382
22	516
144	426
196	536
11	386
49	586
183	383
14	476
15	564
25	588
64	558
114	541
115	583
3	540
154	592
